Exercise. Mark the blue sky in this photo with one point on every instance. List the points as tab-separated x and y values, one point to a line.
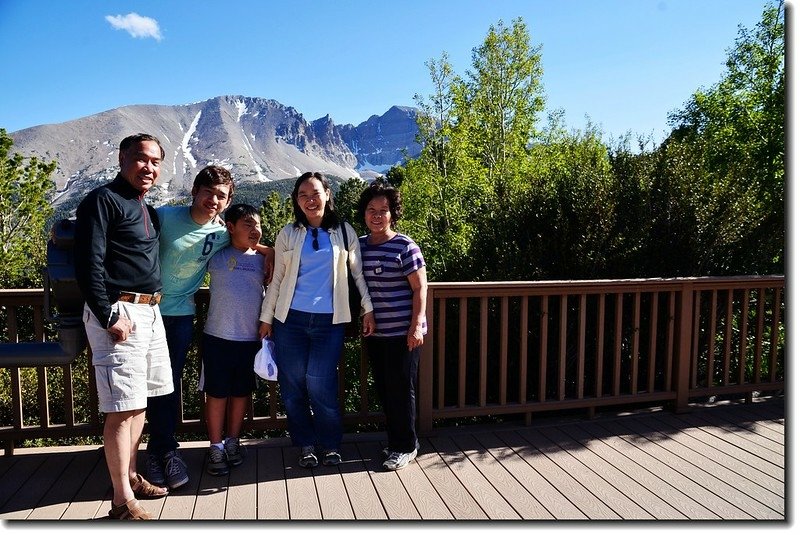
623	63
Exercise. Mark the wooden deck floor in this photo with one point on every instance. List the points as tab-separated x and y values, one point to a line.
719	462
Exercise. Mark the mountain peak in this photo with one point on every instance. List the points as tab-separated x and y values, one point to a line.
257	139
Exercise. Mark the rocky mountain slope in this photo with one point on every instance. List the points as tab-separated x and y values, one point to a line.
259	140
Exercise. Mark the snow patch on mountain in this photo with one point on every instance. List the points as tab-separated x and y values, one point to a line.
187	152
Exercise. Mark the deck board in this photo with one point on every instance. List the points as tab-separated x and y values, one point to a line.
647	504
724	481
559	477
482	491
724	461
663	500
363	496
709	487
272	496
242	498
393	495
333	500
518	497
765	489
460	502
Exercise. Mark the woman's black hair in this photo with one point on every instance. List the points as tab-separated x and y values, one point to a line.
379	188
330	219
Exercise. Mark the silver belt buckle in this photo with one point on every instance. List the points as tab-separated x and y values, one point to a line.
154	298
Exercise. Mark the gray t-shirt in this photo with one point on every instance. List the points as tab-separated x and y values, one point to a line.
237	290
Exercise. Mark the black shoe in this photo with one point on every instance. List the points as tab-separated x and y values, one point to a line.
216	464
331	458
307	457
175	470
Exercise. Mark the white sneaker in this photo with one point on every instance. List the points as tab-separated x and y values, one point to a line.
398	460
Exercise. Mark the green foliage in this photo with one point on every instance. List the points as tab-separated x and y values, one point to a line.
276	212
25	191
493	196
464	187
502	97
395	176
346	202
734	140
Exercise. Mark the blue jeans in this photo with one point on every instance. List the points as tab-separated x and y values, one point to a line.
307	351
162	411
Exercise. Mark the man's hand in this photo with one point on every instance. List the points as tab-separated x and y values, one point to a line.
121	329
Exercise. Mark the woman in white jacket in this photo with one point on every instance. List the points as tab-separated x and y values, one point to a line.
305	311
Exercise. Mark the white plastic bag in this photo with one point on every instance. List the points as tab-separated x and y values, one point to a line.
264	363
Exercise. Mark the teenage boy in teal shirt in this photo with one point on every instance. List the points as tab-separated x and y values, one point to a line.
190	235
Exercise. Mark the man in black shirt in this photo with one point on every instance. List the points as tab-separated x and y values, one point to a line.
117	269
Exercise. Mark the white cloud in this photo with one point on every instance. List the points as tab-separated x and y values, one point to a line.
136	25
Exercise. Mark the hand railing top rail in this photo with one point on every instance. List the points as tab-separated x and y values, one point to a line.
541	287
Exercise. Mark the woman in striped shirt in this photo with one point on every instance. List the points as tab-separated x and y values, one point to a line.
395	273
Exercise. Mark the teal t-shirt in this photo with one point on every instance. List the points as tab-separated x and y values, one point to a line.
185	248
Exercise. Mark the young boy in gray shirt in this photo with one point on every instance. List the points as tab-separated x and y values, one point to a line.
230	337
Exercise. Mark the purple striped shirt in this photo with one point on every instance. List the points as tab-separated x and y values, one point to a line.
386	270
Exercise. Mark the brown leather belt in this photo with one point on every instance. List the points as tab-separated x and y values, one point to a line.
140	299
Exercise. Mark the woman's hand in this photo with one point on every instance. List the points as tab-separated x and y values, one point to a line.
368	324
414	338
265	330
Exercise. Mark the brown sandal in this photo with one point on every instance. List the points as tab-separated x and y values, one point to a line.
130	510
144	489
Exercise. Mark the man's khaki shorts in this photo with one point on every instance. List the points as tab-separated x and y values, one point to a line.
131	371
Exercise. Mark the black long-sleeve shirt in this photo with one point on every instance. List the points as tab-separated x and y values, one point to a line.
116	247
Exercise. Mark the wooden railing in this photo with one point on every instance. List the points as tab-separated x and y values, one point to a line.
526	347
493	348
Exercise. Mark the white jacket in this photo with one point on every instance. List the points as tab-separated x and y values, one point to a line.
288	246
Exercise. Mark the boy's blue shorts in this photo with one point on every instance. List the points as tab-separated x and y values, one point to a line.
228	367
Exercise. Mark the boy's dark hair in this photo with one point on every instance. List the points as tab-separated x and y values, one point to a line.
330	218
214	175
238	211
130	141
380	188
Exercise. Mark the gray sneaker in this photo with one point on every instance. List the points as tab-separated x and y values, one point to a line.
307	457
398	460
331	458
155	470
215	464
385	451
175	470
234	452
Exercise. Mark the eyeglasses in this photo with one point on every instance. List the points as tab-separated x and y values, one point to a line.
315	243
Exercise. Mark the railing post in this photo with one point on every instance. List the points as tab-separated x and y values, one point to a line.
681	377
425	384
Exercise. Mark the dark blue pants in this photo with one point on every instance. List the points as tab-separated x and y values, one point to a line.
163	411
307	351
396	370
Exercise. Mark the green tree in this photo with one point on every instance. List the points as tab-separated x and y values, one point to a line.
25	192
276	211
438	187
395	176
503	97
346	202
497	113
736	149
